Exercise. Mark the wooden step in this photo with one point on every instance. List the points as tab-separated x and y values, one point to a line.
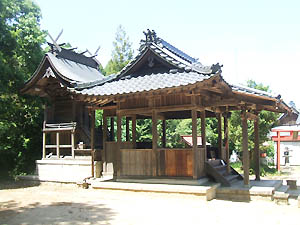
230	177
216	162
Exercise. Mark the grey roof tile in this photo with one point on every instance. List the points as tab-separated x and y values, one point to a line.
143	83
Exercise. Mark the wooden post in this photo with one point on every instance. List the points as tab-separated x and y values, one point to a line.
256	149
195	147
163	138
226	138
104	139
245	148
278	151
119	141
73	143
220	142
92	116
44	144
203	138
57	145
112	128
133	118
127	129
154	142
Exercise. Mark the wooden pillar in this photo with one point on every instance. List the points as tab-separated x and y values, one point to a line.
57	145
245	148
73	143
154	143
92	116
256	149
196	160
119	141
127	129
278	151
44	144
133	118
226	139
163	138
73	111
203	138
220	141
104	139
112	128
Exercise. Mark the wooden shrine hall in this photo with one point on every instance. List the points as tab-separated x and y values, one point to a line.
161	83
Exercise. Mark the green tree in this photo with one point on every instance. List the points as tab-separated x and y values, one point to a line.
121	54
20	116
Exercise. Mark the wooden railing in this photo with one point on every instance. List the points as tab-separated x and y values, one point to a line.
58	129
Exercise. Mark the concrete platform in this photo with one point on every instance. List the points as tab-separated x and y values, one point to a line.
207	192
263	189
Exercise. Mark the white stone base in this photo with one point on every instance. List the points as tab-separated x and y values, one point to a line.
63	170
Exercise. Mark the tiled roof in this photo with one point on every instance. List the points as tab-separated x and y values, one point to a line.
175	57
248	90
170	54
143	83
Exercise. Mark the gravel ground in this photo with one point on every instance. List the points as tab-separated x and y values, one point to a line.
68	204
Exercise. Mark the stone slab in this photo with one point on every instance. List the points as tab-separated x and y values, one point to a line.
207	192
281	197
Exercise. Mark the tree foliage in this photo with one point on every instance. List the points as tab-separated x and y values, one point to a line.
122	52
20	116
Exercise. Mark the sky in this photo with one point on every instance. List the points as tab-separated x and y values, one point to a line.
252	39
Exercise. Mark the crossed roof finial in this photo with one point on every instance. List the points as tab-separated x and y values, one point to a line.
150	37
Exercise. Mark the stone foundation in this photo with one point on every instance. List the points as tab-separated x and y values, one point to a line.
63	170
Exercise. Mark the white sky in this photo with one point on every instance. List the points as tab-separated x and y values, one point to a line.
255	39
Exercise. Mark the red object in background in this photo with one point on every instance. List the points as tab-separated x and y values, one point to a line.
263	155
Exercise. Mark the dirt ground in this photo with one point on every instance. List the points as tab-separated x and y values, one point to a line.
68	204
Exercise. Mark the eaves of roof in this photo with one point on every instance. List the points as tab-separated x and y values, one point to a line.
143	83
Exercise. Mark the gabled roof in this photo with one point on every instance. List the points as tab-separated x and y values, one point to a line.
169	54
68	67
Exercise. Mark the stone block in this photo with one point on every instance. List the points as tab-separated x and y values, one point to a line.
281	198
292	184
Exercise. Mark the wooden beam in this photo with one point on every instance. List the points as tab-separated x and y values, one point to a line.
92	116
73	143
203	137
57	145
148	111
195	145
119	141
256	149
245	148
133	118
154	143
104	140
278	151
127	129
112	128
226	140
164	140
251	116
220	139
44	145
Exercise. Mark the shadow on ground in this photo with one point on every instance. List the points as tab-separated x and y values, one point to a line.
56	213
12	184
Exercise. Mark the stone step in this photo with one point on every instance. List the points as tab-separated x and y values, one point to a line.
207	192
